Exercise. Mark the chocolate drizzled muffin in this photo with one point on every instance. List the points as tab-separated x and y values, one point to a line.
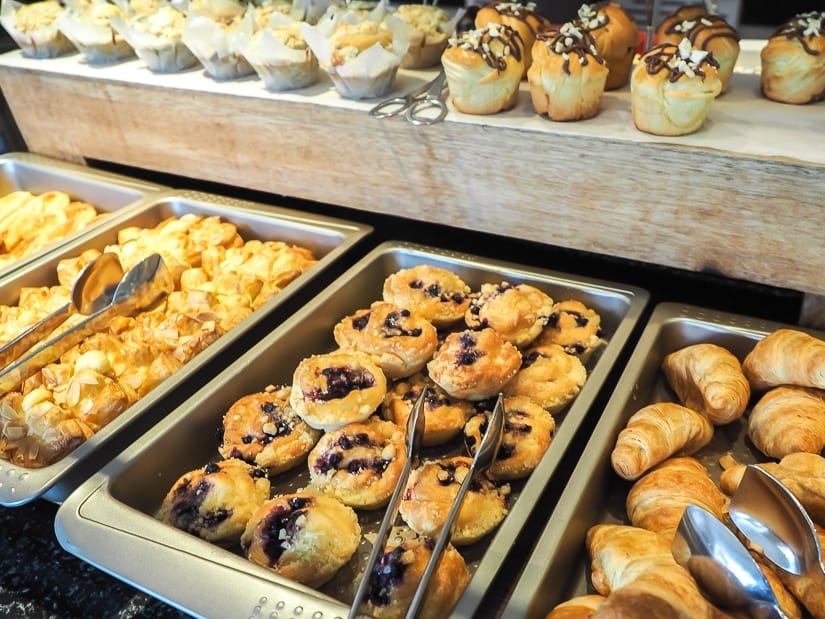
522	17
517	313
332	390
437	294
359	464
549	376
616	36
528	431
400	340
568	76
304	537
444	416
216	501
264	430
398	571
573	326
474	365
793	61
484	68
431	491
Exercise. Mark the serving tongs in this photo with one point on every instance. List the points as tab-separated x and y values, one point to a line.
144	284
483	459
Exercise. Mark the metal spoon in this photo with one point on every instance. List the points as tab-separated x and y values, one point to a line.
771	517
722	566
92	290
143	284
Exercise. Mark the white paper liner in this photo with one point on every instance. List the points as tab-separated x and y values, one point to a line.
279	66
98	44
161	55
214	46
46	42
425	50
368	75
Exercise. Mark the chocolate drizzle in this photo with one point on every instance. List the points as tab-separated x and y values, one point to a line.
525	13
703	29
494	43
804	25
678	60
570	40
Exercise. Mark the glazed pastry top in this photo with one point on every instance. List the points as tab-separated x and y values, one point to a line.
678	61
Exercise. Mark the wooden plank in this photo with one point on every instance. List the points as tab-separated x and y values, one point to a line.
756	218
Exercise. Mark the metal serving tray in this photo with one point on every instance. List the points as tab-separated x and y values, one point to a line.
110	522
328	238
38	174
559	567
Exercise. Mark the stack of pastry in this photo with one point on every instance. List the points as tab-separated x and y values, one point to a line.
793	61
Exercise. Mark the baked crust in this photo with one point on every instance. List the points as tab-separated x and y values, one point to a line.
517	313
549	376
435	293
616	35
793	61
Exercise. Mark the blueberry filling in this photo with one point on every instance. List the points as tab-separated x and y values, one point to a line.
387	573
450	478
392	325
340	382
327	462
212	467
360	323
434	290
361	439
574	349
282	526
186	514
530	358
468	354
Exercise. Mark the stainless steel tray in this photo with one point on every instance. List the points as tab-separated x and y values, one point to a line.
109	520
328	238
38	174
558	567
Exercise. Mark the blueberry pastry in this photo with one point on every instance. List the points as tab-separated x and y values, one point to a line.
359	464
528	431
573	326
549	376
518	313
216	501
474	365
431	491
332	390
444	416
304	537
264	430
398	571
402	342
437	294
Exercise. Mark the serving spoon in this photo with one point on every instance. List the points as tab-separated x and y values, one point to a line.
92	290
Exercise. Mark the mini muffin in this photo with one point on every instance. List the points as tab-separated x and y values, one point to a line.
517	313
211	33
793	61
568	75
549	376
359	464
157	39
573	326
281	57
708	32
528	431
617	38
437	294
398	571
332	390
484	68
303	536
523	18
33	27
431	491
401	342
474	365
431	26
216	501
264	430
444	416
672	89
89	28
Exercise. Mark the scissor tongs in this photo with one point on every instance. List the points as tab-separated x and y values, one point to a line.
422	106
483	459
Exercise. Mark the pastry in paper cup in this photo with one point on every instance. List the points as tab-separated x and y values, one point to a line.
281	57
360	58
157	39
88	27
430	27
213	42
33	27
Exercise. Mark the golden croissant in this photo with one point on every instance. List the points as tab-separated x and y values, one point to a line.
787	420
656	502
786	357
579	607
708	378
655	433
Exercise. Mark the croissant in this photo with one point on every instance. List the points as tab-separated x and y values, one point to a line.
708	378
786	357
635	569
787	602
655	433
787	420
579	607
803	474
656	502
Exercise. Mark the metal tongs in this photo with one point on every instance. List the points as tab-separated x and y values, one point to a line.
143	284
483	459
